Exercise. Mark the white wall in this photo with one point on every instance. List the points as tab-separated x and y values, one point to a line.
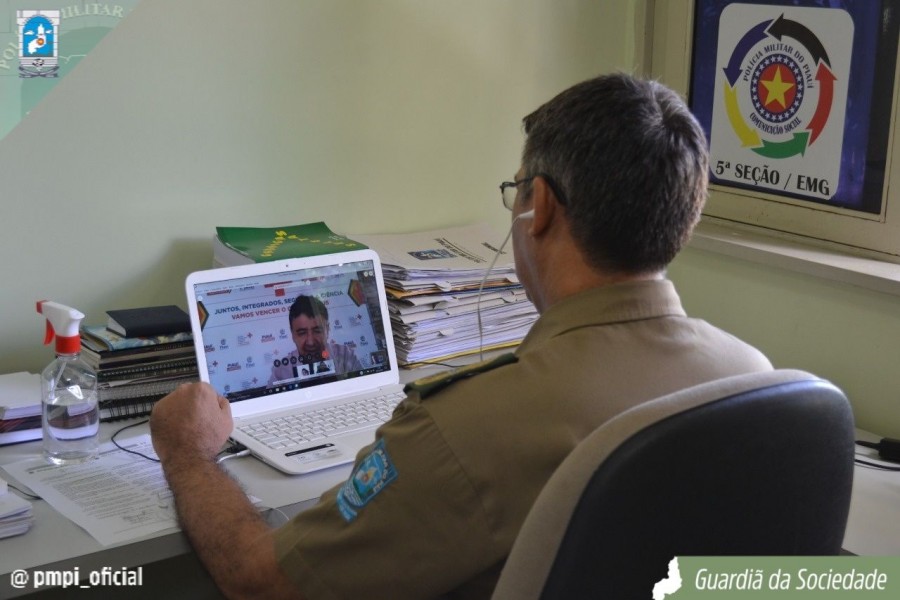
846	334
379	116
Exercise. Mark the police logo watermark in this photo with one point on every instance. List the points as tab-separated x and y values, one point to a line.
38	43
781	98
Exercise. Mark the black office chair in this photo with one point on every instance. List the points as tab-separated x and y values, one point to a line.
758	464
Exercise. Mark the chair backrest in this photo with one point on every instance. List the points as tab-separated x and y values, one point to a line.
758	464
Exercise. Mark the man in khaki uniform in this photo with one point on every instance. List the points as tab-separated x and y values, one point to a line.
612	181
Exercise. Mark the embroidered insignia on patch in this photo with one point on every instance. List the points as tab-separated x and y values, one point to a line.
370	477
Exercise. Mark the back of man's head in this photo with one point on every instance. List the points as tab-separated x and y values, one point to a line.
631	163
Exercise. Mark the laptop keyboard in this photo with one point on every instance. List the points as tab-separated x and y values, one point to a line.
291	430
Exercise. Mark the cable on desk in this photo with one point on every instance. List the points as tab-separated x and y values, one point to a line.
882	467
23	492
888	448
117	445
273	510
225	457
233	450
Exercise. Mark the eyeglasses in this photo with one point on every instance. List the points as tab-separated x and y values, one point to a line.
509	189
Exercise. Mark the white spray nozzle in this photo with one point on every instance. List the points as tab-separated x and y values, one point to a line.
63	322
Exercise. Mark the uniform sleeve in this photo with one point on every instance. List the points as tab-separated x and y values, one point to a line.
407	523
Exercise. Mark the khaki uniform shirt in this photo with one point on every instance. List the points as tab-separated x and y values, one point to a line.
432	508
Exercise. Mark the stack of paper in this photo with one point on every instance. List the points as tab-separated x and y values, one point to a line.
16	515
433	280
20	407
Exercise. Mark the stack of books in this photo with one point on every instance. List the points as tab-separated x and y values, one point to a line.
137	369
440	309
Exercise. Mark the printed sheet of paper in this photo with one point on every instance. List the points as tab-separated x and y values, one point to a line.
116	498
464	251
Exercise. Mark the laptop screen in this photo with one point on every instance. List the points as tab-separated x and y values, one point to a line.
275	332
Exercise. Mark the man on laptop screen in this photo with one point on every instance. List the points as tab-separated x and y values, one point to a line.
314	356
270	333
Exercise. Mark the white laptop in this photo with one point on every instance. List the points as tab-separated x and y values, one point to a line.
276	375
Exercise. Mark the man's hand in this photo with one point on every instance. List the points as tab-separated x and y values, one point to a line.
191	423
189	427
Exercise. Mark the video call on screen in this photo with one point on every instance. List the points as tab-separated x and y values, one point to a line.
247	335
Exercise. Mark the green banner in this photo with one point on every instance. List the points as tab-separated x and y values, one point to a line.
783	577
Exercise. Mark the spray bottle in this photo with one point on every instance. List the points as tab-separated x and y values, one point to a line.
71	417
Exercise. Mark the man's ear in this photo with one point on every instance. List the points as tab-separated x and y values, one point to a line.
544	205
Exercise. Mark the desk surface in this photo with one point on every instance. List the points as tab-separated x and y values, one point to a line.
873	528
54	542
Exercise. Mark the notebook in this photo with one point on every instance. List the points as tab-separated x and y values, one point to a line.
339	351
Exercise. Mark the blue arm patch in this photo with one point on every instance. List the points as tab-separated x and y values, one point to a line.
369	478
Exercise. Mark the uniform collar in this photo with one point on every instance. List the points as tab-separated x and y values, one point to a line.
604	305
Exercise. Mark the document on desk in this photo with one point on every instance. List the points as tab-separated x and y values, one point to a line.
116	498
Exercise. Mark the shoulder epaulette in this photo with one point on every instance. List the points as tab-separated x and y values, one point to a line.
427	386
